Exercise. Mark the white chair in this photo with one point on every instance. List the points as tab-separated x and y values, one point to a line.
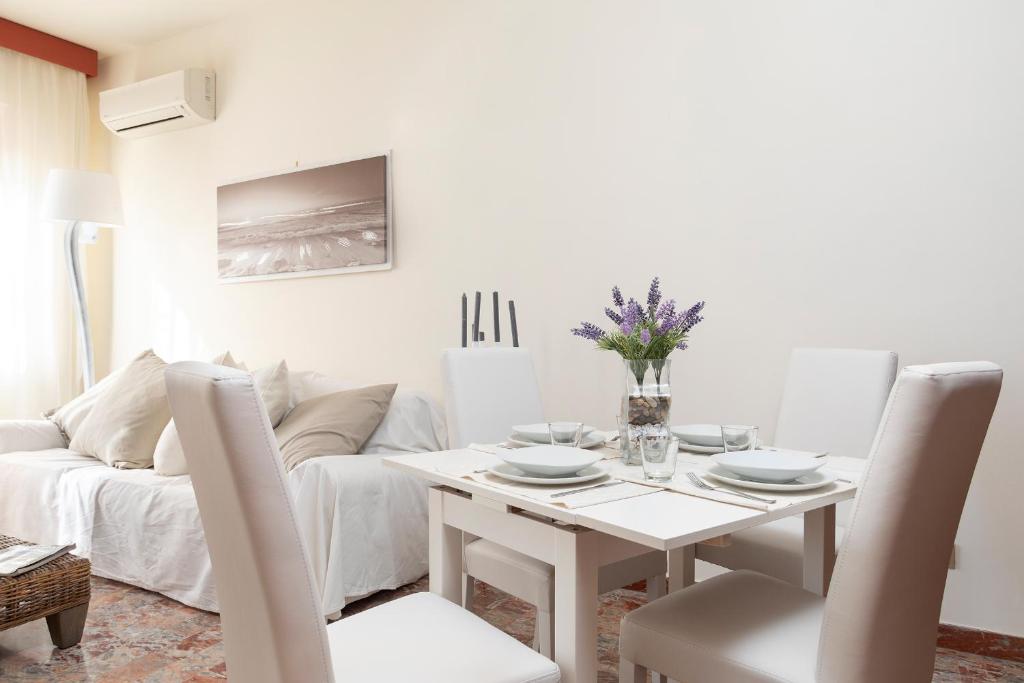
487	391
274	631
879	621
832	401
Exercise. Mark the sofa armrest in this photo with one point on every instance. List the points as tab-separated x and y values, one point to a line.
29	435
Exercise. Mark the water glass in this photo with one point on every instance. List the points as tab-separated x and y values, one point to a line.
658	456
739	438
565	433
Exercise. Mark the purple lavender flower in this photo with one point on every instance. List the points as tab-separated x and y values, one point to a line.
613	316
645	336
654	295
681	346
631	317
668	316
617	297
691	317
588	331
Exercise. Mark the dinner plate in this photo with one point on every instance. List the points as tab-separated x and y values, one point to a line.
700	434
506	471
592	440
703	450
768	465
548	461
700	450
538	433
814	480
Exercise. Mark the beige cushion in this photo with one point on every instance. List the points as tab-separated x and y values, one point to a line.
70	416
168	457
123	427
333	424
740	627
274	389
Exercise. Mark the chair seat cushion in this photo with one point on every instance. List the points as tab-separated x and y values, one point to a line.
425	638
740	627
775	549
515	573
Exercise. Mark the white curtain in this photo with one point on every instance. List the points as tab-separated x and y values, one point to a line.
44	124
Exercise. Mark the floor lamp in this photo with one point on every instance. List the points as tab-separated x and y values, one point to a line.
85	200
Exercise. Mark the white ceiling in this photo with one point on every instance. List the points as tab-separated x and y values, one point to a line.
113	26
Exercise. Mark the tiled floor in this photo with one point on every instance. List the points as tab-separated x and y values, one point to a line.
135	635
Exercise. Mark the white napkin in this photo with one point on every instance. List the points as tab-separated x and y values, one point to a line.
545	494
681	484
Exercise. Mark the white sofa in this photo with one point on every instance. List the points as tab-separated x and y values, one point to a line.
365	525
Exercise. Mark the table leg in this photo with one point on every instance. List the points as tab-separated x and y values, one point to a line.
66	627
819	548
681	567
576	566
445	552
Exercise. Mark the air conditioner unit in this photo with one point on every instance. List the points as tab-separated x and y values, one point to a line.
156	105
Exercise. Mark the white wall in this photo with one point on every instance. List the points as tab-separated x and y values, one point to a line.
837	174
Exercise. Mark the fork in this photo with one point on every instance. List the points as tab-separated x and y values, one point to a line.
701	484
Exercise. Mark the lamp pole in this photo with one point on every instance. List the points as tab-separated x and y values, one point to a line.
71	255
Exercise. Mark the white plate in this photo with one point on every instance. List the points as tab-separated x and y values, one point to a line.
814	480
592	440
775	466
538	433
548	461
700	435
506	471
703	450
700	450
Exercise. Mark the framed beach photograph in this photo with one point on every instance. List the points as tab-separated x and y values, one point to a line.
320	220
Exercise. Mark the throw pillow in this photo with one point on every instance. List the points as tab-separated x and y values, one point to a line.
272	383
70	416
169	457
333	424
123	427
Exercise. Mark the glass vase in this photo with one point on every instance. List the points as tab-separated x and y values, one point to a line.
646	405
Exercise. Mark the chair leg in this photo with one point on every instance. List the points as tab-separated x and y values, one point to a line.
631	673
468	585
657	586
544	634
66	627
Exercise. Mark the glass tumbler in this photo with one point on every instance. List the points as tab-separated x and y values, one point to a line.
739	438
658	456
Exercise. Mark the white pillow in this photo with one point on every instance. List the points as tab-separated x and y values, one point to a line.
169	457
70	416
272	383
413	424
122	429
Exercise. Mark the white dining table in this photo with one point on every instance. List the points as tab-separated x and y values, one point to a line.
578	541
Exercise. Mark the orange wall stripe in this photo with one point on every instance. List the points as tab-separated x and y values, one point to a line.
44	46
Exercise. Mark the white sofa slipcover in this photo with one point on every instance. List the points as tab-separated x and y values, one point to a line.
365	525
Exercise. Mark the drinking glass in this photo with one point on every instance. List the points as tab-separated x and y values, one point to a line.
565	433
658	455
739	438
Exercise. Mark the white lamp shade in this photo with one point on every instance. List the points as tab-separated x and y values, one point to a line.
87	196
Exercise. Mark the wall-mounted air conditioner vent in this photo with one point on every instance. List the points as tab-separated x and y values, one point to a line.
177	100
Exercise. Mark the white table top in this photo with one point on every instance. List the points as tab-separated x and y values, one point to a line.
664	520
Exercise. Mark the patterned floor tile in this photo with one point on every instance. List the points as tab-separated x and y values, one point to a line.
135	635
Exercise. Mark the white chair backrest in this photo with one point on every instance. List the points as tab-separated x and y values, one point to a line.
486	391
270	604
833	399
882	610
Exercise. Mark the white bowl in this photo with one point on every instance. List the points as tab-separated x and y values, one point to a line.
773	466
549	461
538	433
699	435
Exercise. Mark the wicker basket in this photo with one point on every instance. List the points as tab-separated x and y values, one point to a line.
56	586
